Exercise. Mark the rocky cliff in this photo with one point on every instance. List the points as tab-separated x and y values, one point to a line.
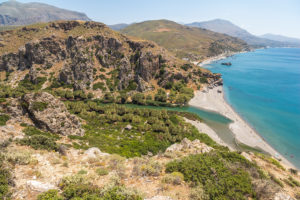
83	54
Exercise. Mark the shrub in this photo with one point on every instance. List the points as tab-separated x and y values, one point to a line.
18	157
198	193
102	171
161	95
40	142
100	86
39	106
145	167
186	67
81	172
3	119
270	160
174	178
211	171
138	98
132	85
5	180
50	195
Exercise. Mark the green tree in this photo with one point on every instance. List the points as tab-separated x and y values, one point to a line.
161	95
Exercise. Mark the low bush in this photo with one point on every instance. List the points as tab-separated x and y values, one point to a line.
39	142
102	171
146	167
5	180
211	170
174	178
197	193
39	106
50	195
270	160
3	119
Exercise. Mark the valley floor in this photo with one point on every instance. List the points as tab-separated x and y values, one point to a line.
213	99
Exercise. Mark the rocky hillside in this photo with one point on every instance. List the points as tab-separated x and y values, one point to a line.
88	56
185	42
15	13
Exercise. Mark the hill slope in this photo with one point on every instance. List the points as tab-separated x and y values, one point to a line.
281	38
16	13
185	42
226	27
118	27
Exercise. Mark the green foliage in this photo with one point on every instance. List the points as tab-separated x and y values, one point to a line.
161	95
39	106
132	85
292	182
203	80
138	98
211	170
152	130
175	178
270	160
50	195
99	85
3	119
30	131
5	180
186	67
102	171
26	84
39	142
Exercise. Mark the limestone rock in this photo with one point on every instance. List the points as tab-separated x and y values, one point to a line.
94	153
193	146
282	196
50	114
39	186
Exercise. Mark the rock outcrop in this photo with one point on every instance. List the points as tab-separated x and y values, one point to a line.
95	49
50	114
193	147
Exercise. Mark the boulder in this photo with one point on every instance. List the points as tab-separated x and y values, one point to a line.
282	196
39	186
94	153
50	114
193	146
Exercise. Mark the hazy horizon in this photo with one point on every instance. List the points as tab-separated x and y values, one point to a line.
257	17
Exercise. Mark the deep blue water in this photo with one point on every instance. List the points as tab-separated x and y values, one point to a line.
264	88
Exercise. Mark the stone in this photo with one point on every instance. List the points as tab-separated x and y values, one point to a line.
128	127
282	196
39	186
94	153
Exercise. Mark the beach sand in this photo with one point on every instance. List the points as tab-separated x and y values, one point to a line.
213	99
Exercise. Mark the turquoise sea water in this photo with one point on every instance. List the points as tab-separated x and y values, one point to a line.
264	88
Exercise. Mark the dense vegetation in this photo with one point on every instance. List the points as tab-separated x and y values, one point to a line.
3	119
5	180
211	171
38	139
150	130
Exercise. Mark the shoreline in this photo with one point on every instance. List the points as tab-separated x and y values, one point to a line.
213	99
216	58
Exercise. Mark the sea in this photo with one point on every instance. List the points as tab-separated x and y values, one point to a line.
263	86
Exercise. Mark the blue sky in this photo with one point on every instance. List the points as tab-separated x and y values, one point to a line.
256	16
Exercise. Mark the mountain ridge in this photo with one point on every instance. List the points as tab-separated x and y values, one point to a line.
185	42
16	13
227	27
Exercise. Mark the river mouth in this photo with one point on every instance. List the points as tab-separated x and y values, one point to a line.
217	122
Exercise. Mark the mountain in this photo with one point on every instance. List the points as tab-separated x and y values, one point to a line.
69	129
226	27
281	38
185	42
16	13
118	27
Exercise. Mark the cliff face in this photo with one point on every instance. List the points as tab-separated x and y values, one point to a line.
84	53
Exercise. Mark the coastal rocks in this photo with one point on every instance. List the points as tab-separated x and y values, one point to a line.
192	146
50	114
39	186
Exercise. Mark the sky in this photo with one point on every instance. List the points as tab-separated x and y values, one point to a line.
256	16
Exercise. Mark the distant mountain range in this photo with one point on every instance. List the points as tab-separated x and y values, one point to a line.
118	27
184	41
226	27
281	38
16	13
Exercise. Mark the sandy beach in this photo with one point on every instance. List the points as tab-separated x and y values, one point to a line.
213	99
